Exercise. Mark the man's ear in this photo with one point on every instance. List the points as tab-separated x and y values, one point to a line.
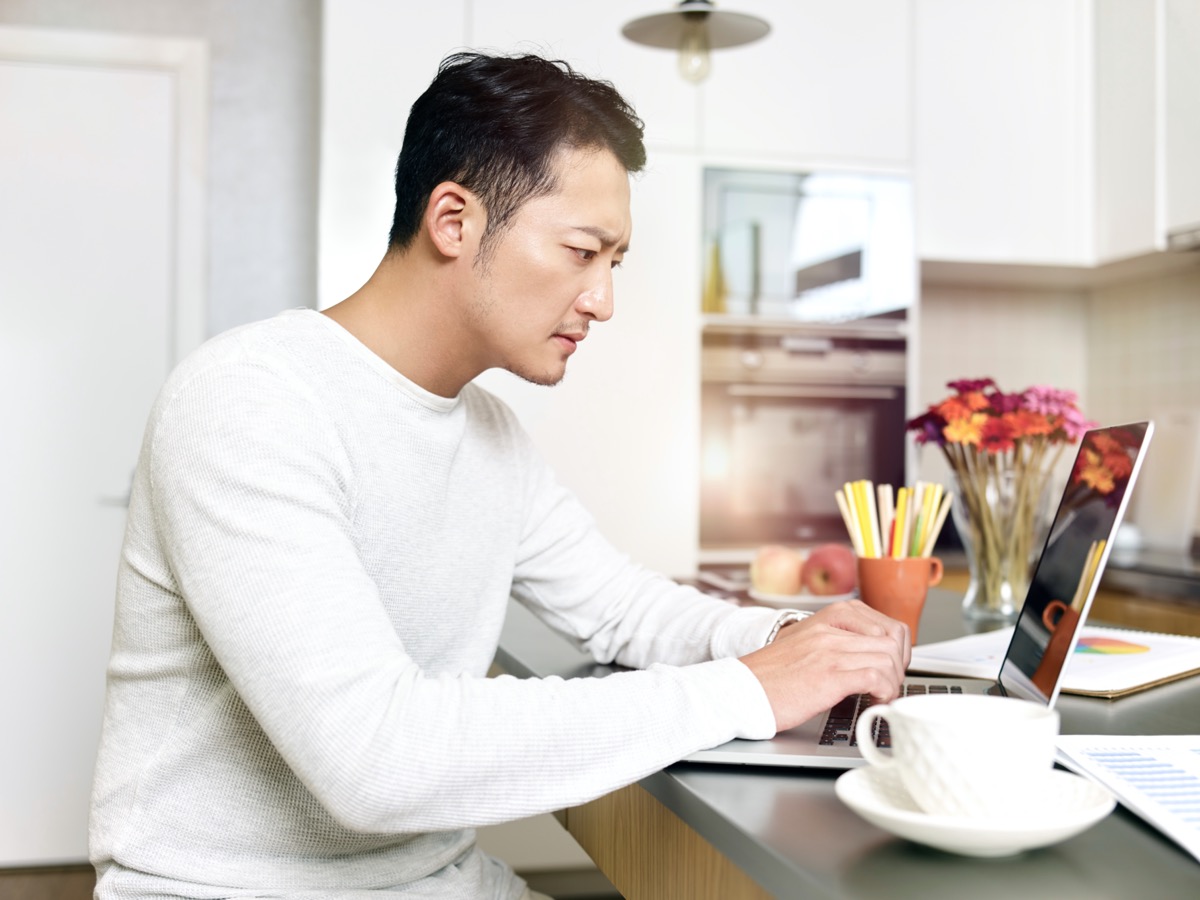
454	219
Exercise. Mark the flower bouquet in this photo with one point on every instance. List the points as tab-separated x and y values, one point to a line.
1002	449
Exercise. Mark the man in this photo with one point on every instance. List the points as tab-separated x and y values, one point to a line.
329	518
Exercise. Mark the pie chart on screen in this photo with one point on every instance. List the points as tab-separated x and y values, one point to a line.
1109	646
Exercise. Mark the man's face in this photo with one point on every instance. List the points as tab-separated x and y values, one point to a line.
548	276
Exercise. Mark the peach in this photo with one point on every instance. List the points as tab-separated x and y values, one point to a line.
776	570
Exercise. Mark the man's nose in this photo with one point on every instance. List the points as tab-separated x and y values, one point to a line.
597	301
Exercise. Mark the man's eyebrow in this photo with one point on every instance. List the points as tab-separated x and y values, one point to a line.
606	238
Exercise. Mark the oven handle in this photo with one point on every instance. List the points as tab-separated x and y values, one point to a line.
799	392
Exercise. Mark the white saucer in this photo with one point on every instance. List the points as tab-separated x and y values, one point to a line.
803	600
1068	804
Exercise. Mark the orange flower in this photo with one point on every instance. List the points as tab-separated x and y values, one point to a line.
1028	424
954	408
1119	463
967	430
1095	474
1106	444
1115	447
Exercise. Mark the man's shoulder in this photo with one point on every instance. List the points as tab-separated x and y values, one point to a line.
244	358
290	335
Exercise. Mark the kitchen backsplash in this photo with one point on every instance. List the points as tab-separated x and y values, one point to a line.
1144	360
1144	346
1130	350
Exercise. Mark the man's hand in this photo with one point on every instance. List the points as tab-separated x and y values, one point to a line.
846	648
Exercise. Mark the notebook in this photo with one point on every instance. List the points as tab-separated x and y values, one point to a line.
1060	593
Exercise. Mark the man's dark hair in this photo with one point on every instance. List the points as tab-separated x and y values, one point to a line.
493	124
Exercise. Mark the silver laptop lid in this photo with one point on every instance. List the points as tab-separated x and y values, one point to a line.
1068	571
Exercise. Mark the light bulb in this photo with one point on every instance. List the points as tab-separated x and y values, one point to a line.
695	62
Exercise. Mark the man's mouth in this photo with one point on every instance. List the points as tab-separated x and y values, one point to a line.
569	337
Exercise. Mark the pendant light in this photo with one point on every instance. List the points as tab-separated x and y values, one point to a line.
694	28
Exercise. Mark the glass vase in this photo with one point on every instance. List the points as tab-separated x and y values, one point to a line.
1000	514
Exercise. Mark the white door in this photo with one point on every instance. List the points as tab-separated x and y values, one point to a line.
100	290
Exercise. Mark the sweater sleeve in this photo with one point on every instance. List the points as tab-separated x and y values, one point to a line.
254	503
579	584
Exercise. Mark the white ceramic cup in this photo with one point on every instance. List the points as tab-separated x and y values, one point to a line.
966	755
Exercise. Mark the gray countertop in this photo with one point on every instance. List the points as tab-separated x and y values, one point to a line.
788	830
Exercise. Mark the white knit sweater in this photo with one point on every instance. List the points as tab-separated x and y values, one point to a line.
316	568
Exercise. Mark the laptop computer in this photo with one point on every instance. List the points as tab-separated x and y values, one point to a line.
1060	593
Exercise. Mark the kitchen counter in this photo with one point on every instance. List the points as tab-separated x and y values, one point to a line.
694	831
1154	573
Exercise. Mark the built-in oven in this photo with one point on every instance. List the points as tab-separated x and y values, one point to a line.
789	413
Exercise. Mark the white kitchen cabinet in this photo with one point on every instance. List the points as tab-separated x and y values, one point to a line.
1147	125
1059	132
1001	131
592	43
830	85
1180	44
1126	123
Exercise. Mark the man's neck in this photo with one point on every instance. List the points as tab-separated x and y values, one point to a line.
407	315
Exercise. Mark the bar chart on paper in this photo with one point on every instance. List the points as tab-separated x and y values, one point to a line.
1157	777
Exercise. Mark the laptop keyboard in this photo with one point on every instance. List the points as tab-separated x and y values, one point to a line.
839	727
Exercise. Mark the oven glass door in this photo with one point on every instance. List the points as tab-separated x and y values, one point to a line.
774	455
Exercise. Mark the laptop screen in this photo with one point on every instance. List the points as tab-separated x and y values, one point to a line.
1076	549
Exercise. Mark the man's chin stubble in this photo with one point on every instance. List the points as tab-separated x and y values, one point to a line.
545	380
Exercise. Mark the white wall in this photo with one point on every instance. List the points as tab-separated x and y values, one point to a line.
262	156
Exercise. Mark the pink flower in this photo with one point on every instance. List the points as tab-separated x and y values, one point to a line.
1049	401
1074	425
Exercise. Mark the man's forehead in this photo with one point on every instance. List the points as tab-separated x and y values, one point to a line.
590	194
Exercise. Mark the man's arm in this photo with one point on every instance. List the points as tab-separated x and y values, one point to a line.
254	502
578	583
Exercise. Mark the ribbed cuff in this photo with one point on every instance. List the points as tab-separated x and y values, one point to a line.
744	632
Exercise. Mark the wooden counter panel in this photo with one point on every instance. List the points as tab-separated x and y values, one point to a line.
648	853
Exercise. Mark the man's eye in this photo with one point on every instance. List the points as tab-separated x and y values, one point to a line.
585	255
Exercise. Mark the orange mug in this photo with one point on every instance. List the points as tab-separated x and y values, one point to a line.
1060	620
897	587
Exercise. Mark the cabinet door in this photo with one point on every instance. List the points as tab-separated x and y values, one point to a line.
830	84
1181	115
101	240
1125	128
592	42
1001	131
